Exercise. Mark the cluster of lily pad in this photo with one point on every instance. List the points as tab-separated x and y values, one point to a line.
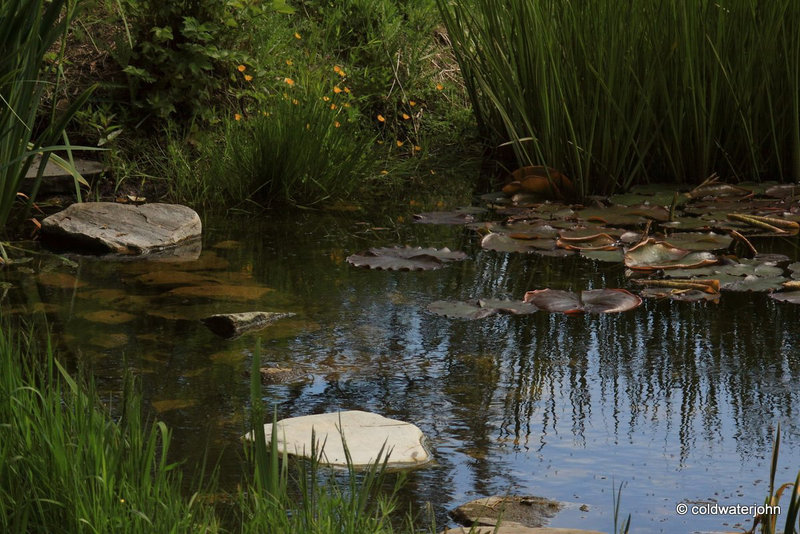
686	246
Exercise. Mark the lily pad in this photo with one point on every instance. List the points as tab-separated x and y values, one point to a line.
609	256
591	301
162	406
478	309
652	255
459	216
792	297
699	241
683	295
405	258
506	243
756	284
590	242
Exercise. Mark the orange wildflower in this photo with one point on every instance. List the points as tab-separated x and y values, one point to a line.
237	117
381	119
337	89
289	81
406	116
241	68
248	78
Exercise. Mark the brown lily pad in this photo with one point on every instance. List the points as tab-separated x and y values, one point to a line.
682	295
652	255
591	301
162	406
405	258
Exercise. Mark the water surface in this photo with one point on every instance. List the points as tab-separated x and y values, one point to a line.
678	401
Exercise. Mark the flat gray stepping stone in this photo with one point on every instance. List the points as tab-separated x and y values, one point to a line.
364	432
57	181
102	227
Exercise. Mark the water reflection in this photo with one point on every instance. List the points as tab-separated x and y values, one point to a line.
679	400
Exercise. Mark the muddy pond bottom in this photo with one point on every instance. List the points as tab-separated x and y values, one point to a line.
677	401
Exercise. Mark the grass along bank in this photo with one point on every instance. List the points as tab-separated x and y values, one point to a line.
67	465
614	95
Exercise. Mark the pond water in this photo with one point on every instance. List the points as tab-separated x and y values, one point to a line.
678	401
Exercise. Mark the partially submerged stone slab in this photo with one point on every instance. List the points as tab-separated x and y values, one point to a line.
364	432
101	227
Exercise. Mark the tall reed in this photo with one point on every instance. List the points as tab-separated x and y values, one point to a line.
620	93
67	466
27	31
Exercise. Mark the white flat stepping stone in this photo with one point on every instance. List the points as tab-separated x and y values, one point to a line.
364	432
121	228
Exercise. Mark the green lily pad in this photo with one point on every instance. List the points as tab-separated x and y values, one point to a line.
505	243
699	241
459	216
405	258
792	297
478	309
755	284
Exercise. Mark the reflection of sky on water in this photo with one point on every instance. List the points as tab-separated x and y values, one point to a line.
677	400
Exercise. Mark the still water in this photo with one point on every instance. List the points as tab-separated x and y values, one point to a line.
677	401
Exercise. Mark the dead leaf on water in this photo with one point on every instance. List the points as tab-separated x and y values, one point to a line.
405	258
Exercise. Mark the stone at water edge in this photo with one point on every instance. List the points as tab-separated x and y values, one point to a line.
365	433
516	528
233	325
121	228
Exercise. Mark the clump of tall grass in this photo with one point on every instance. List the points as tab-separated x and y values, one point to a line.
67	466
300	150
615	94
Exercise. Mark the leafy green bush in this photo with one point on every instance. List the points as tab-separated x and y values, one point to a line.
614	94
179	56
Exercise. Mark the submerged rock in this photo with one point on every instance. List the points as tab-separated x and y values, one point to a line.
526	511
366	434
282	375
232	325
103	227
